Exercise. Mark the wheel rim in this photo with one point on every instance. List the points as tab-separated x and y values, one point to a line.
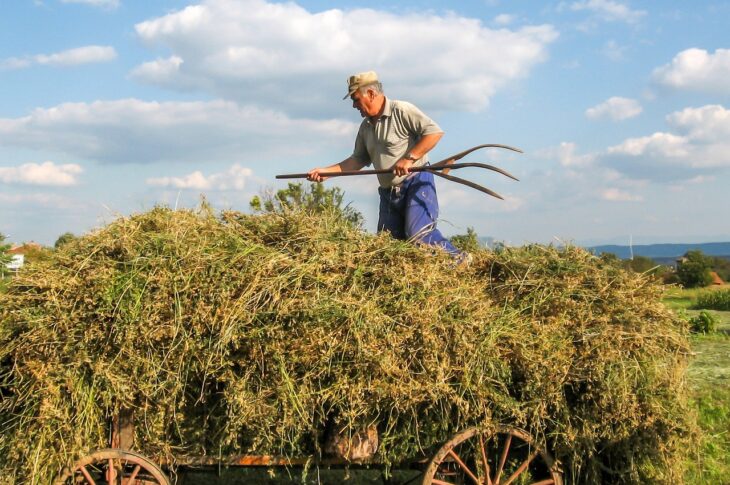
506	456
115	467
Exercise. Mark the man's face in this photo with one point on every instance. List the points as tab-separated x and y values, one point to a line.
364	103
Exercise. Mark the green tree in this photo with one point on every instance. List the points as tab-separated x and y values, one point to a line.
468	242
694	270
641	264
721	266
314	198
5	258
63	239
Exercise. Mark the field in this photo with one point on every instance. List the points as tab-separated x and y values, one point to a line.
709	378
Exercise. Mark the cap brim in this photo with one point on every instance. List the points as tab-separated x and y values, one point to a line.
352	91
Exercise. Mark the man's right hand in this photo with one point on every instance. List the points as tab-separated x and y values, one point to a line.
314	176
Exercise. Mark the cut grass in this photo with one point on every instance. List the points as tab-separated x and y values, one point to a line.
709	379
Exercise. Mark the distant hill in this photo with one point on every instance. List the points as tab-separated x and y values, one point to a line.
664	252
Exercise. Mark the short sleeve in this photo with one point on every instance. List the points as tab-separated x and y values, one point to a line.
417	122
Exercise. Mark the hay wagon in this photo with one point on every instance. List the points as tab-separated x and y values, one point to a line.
500	455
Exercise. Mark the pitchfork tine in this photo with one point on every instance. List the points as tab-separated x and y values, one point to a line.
466	182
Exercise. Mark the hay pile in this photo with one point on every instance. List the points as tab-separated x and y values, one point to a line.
248	334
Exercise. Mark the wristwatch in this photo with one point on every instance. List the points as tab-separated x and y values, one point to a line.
409	156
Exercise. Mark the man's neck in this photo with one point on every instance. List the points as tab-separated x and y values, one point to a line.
380	110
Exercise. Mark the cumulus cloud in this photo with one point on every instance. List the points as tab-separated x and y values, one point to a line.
71	57
697	70
106	4
609	10
282	55
46	173
615	108
130	130
698	144
235	178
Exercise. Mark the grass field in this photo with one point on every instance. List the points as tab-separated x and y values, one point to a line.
709	379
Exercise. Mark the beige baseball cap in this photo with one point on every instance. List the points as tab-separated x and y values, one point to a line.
357	81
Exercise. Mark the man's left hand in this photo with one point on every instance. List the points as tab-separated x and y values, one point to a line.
402	167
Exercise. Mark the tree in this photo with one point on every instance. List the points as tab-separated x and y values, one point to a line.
63	239
641	264
5	258
468	242
315	198
694	270
721	266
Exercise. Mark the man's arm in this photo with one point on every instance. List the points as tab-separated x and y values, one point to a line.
424	145
346	165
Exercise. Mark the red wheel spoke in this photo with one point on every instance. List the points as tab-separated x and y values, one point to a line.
522	468
503	459
87	476
549	481
484	459
466	468
132	477
440	482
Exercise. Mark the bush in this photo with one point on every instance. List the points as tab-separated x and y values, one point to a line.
713	300
705	322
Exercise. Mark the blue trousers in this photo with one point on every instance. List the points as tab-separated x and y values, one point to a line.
410	210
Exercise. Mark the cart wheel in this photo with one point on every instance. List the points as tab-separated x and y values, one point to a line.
114	467
505	456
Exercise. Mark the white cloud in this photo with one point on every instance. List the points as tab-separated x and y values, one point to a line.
107	4
71	57
134	131
46	173
617	195
280	54
235	178
698	144
504	19
609	10
697	70
566	155
615	108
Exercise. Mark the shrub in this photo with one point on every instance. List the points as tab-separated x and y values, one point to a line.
713	300
705	322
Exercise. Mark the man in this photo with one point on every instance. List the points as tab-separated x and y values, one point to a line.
395	135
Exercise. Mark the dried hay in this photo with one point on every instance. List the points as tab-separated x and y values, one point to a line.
249	334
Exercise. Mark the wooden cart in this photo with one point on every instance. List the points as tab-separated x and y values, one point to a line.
500	456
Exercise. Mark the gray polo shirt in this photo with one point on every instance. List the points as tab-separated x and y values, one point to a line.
389	138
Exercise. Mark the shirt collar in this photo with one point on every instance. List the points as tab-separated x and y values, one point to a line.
387	110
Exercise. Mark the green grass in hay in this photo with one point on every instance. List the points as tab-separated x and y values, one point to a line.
232	334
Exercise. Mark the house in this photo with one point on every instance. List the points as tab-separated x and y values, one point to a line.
18	254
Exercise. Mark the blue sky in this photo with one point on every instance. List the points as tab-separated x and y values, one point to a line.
109	107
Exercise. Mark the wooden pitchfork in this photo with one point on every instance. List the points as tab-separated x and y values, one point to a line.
440	168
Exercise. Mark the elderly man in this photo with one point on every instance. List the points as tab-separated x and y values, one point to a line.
395	135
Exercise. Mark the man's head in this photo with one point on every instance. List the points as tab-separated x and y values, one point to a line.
366	93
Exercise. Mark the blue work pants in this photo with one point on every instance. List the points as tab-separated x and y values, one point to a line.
410	210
